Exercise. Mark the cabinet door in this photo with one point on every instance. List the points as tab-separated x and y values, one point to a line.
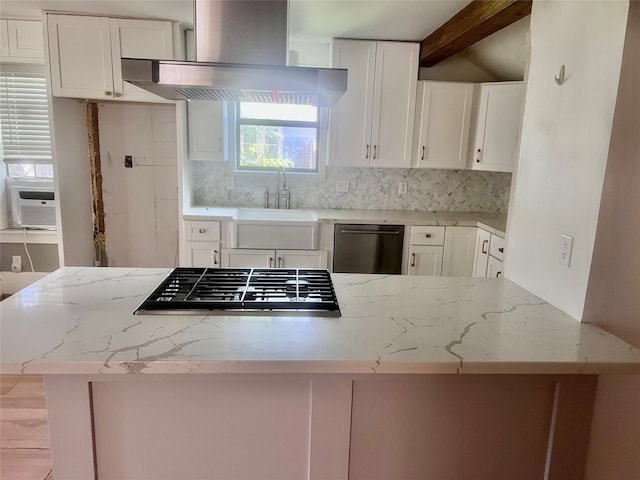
138	39
206	130
301	258
425	260
4	40
247	258
21	41
459	251
494	267
80	55
394	103
497	127
350	126
202	254
482	253
441	130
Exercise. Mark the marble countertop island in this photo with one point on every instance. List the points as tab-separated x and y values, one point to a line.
80	320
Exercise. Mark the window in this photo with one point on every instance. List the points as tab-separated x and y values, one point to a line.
24	123
274	135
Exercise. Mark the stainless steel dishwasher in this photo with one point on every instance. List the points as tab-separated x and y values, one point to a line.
368	248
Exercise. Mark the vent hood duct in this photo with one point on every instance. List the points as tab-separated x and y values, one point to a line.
241	52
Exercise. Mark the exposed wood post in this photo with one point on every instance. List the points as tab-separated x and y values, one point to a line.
96	184
474	22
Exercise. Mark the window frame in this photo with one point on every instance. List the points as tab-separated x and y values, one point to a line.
28	70
235	119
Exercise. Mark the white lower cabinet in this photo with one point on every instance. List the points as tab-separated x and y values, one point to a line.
202	254
425	260
482	253
250	258
494	267
459	251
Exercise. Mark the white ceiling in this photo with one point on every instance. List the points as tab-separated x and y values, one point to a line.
320	20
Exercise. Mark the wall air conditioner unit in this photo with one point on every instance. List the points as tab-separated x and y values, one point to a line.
33	207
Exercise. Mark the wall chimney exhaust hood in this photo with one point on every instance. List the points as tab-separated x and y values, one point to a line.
241	54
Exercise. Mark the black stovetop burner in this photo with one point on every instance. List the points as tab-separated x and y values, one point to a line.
251	291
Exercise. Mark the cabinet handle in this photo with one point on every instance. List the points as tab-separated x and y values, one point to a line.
366	152
484	246
279	262
375	151
202	230
501	249
220	143
498	274
215	257
478	156
413	259
107	92
118	94
428	235
422	157
270	262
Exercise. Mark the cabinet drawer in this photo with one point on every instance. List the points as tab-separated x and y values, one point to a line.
496	249
199	231
427	235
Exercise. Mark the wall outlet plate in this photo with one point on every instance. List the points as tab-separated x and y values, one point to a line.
566	246
402	187
342	186
230	183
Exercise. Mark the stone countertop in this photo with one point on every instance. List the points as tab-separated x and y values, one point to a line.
492	222
80	321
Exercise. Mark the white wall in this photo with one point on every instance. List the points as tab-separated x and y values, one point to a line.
565	141
72	181
140	203
612	297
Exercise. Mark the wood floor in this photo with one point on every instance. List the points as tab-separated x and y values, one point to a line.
24	435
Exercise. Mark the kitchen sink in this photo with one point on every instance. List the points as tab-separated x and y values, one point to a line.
262	228
270	214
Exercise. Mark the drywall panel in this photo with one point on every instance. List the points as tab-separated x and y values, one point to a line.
141	202
565	141
612	297
72	180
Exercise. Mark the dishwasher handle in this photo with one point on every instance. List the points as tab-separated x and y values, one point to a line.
372	232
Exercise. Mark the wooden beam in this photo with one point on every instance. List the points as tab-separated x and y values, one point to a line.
474	22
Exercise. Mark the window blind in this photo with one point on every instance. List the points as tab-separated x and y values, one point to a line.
24	118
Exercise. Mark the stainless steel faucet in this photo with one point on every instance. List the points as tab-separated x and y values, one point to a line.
284	193
281	194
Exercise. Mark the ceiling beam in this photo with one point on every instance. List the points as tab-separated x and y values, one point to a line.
474	22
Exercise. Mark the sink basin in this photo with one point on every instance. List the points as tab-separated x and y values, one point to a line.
263	228
269	214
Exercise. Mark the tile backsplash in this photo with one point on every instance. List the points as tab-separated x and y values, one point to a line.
369	188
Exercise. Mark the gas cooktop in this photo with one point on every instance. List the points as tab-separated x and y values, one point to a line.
249	291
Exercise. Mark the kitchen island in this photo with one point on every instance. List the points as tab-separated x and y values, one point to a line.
275	397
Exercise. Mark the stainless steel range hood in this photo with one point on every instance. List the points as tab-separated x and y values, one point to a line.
241	53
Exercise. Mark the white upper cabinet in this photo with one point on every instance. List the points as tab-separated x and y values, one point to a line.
372	124
206	130
497	124
21	41
441	127
86	52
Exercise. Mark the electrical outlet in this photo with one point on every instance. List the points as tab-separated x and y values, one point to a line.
566	245
342	186
402	188
16	263
230	183
128	161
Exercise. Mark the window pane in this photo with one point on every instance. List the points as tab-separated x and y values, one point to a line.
272	111
270	147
